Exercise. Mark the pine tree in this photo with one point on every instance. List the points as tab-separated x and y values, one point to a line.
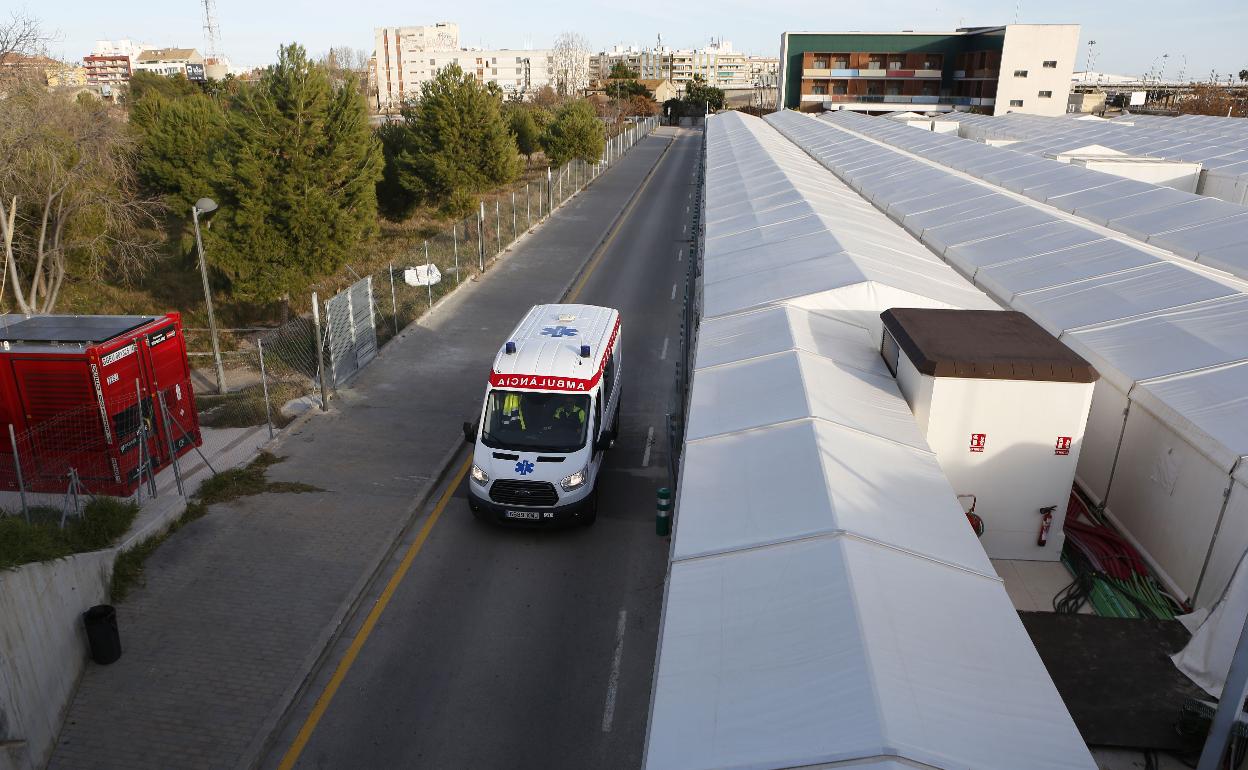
459	143
298	180
526	131
575	133
178	141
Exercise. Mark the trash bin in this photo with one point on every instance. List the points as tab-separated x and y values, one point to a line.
102	635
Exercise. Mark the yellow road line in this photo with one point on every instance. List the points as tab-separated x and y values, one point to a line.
340	673
619	225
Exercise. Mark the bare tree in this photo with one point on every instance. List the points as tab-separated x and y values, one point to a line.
21	40
69	200
22	35
571	64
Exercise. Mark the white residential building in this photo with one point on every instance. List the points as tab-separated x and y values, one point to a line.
718	64
407	57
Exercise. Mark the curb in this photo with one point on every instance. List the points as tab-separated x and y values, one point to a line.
315	662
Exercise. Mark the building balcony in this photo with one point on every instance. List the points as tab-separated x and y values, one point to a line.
872	73
867	100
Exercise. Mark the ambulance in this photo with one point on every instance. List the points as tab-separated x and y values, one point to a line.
551	411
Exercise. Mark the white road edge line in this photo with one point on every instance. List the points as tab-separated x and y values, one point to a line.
663	355
613	682
645	458
680	255
673	291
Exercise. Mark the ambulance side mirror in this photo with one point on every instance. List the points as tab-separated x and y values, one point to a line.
470	433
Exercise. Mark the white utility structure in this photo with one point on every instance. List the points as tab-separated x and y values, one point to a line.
1003	405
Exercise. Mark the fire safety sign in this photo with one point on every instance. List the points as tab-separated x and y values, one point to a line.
1062	447
978	440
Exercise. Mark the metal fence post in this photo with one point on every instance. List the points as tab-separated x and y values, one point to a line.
550	189
264	384
528	214
455	249
428	276
480	238
394	305
143	454
320	352
514	233
498	228
17	467
165	419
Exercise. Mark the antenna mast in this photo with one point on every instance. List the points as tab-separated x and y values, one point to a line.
212	32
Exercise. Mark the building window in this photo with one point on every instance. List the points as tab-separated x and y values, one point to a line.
494	60
494	72
1046	94
819	90
821	64
1016	102
895	64
432	62
1020	73
1052	65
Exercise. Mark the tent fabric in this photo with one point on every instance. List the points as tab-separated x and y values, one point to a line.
1206	658
831	649
827	601
1184	223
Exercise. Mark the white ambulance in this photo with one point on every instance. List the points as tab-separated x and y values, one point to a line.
550	412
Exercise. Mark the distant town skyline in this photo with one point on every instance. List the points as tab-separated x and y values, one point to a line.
1131	38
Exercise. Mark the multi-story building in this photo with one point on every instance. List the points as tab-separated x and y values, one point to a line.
1012	68
171	61
407	57
717	64
111	62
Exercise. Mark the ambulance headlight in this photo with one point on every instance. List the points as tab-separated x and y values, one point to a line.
575	481
480	476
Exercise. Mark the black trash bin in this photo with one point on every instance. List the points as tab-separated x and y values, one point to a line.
102	634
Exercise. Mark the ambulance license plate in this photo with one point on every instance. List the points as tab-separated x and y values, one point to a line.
529	515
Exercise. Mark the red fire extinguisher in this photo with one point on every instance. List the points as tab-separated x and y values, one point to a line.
1046	521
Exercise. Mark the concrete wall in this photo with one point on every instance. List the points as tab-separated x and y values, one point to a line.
1027	47
43	649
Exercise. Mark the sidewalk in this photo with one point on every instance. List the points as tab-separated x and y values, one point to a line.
239	605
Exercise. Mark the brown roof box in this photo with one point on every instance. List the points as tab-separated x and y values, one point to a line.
983	344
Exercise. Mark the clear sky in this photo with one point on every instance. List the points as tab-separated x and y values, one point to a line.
1130	35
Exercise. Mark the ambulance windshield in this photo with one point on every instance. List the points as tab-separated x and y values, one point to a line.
535	422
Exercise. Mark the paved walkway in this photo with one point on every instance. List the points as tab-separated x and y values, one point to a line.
238	606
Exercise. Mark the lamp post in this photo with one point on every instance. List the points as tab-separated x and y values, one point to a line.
207	206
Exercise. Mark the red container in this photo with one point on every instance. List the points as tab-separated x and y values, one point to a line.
84	393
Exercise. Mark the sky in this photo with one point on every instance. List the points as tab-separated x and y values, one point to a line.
1131	35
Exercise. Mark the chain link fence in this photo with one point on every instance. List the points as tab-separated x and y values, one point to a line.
271	375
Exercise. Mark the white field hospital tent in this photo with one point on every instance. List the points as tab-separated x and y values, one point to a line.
1168	431
827	601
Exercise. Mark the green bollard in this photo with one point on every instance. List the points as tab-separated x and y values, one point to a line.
663	517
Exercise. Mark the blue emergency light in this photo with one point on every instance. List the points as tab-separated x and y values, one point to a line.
509	348
584	351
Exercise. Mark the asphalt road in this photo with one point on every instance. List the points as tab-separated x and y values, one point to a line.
534	649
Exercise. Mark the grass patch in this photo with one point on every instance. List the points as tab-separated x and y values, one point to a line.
219	488
104	520
245	408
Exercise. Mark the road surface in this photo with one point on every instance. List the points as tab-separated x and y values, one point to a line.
531	649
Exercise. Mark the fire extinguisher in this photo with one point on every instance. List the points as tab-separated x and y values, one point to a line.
1046	521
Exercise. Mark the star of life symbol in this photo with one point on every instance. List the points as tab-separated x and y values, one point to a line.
559	331
524	467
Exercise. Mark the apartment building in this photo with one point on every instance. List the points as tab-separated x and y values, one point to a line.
1011	68
407	57
111	62
171	61
717	64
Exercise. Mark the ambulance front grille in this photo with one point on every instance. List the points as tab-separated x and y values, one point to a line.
526	493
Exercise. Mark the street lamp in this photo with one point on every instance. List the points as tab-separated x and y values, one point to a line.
207	206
